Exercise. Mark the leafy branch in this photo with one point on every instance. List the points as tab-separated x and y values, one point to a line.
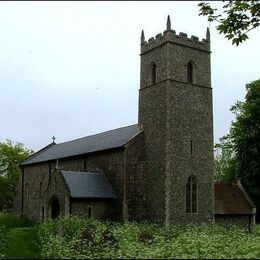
237	19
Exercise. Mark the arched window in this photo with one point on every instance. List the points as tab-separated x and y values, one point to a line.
191	195
190	72
154	73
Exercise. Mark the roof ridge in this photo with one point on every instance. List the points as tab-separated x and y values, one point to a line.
110	139
96	134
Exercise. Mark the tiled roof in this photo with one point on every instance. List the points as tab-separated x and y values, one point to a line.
88	185
93	143
231	198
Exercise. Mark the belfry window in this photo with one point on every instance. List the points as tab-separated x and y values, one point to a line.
154	73
190	72
191	195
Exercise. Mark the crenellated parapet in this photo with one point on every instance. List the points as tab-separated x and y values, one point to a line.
170	35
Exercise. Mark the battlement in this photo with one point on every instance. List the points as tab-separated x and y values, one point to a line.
170	35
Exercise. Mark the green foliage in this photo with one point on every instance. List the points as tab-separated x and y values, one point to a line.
11	154
3	240
16	235
12	221
84	238
21	243
225	163
245	134
239	151
237	19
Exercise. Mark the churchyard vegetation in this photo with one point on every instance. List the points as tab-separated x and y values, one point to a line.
76	237
18	237
3	240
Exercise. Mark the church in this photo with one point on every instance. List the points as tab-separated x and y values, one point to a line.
160	169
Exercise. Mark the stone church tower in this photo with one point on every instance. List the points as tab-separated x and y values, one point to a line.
175	113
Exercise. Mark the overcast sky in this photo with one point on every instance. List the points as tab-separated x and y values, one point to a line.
71	69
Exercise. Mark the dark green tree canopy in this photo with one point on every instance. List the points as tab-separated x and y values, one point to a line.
239	152
237	19
245	133
11	154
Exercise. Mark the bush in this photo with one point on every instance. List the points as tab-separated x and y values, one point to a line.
75	237
13	221
3	240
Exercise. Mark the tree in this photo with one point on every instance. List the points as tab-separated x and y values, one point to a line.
225	163
240	149
237	19
245	132
11	154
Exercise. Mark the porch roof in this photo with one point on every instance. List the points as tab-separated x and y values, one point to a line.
88	185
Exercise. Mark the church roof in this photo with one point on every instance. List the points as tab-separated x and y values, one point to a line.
88	185
231	198
93	143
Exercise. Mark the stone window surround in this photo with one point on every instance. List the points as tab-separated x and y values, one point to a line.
190	181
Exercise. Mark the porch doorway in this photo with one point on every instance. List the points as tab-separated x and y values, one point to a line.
55	207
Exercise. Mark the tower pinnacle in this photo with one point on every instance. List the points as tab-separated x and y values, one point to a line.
142	37
168	24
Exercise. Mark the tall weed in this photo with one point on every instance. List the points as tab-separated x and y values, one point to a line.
76	237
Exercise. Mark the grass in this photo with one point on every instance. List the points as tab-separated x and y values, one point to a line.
12	221
21	243
21	237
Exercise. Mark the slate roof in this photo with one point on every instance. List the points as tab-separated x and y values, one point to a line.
93	143
231	198
88	185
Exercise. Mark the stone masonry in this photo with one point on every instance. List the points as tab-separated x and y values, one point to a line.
174	114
